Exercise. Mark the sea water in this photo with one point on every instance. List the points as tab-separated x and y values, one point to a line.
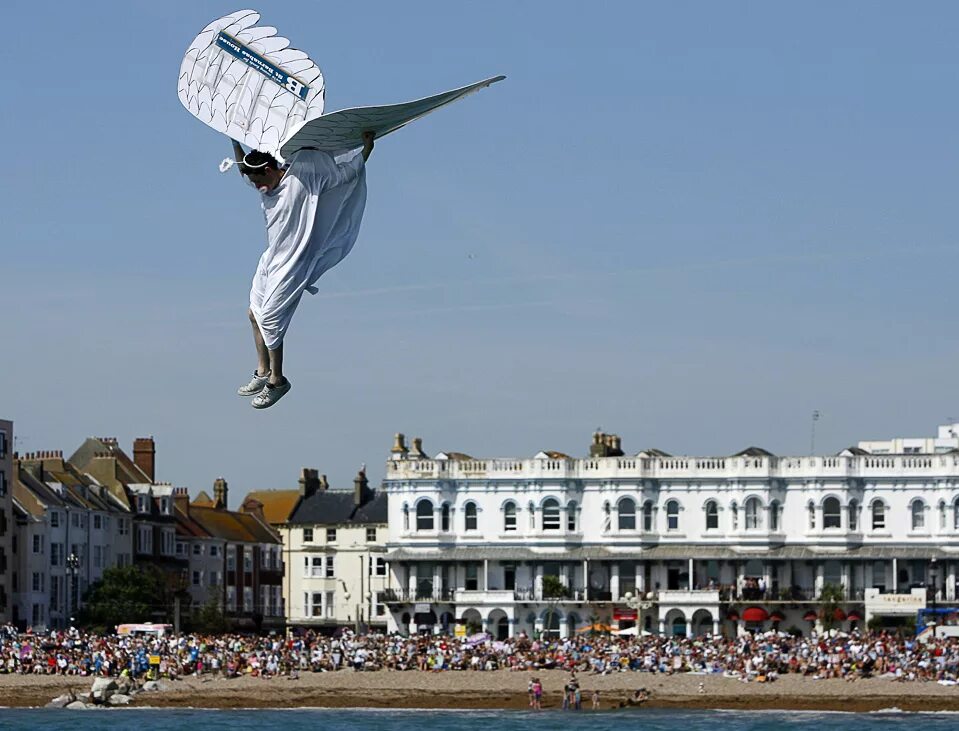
428	720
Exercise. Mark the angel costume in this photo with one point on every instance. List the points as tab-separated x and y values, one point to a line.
313	217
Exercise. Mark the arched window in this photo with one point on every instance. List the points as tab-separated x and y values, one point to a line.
626	510
551	514
672	515
712	515
469	516
853	521
406	517
648	516
571	516
831	513
424	515
774	515
918	515
878	515
752	514
445	518
509	517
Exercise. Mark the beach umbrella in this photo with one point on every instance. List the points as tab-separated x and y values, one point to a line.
854	616
596	627
755	614
810	616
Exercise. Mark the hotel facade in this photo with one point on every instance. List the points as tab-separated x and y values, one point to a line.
668	544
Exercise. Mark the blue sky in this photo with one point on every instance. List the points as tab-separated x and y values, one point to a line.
690	223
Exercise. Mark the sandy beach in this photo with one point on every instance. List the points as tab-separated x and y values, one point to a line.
503	689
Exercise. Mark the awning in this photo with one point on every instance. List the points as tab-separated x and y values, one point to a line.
854	616
838	614
810	616
733	616
777	616
755	614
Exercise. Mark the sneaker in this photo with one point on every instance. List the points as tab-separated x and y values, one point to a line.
271	394
254	386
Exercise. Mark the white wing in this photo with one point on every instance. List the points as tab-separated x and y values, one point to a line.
343	129
246	82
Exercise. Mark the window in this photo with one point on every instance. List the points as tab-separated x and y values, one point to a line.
197	549
165	505
331	535
406	517
571	517
918	515
97	522
54	519
197	578
231	558
648	516
672	515
3	481
753	521
380	566
712	515
317	609
509	516
248	560
551	514
445	517
472	577
329	604
214	578
56	554
371	535
509	577
38	544
424	515
812	516
469	516
774	515
123	527
214	551
76	520
853	518
37	581
98	557
831	513
626	511
878	515
329	567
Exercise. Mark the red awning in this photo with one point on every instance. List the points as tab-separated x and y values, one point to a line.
838	614
733	616
755	614
777	616
810	616
854	616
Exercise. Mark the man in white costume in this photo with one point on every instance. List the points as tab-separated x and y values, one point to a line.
313	208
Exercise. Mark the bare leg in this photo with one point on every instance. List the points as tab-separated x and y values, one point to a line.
262	354
276	366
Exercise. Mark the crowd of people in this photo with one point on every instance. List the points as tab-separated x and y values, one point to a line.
760	657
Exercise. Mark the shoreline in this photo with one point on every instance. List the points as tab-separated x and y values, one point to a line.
502	690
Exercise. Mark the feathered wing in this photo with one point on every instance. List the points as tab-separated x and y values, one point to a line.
241	100
343	129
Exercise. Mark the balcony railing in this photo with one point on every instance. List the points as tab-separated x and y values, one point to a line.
405	596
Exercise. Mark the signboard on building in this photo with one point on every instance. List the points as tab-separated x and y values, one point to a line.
892	605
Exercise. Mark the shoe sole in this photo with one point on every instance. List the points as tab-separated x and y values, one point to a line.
266	406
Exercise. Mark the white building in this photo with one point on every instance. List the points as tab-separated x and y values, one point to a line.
946	440
69	530
714	544
335	547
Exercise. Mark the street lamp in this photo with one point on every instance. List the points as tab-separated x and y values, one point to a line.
933	576
73	566
639	604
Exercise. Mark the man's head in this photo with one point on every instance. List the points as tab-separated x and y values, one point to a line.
262	169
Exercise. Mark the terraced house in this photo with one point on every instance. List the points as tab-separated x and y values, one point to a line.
668	543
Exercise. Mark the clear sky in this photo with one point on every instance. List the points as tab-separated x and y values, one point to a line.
689	223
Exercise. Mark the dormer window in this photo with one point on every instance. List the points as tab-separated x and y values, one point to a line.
143	504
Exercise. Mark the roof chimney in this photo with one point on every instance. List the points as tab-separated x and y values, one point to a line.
219	493
417	450
361	488
144	455
324	483
181	499
309	482
399	446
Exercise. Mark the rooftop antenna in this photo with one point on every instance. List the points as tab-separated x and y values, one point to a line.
812	439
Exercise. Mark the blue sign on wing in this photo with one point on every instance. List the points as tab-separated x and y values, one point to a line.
254	60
